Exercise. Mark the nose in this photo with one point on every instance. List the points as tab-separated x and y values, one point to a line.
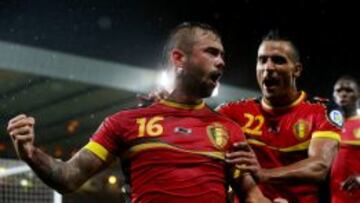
269	65
220	62
342	93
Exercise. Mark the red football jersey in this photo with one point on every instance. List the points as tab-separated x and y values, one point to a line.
347	162
175	152
281	136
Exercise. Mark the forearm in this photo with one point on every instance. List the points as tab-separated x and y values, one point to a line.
62	176
311	169
247	190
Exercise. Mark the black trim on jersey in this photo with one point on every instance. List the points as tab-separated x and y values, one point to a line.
255	99
331	108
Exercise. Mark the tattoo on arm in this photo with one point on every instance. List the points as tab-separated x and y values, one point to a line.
65	176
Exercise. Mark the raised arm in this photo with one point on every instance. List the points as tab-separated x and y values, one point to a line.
62	176
314	168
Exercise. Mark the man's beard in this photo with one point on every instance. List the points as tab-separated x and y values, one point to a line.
193	85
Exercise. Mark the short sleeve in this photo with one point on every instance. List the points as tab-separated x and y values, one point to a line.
329	122
106	141
229	110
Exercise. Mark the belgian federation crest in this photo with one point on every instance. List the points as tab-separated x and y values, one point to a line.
301	129
218	135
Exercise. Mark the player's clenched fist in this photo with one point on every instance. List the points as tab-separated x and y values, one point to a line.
21	131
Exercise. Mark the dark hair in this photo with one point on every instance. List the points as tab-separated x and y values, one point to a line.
348	78
275	35
184	36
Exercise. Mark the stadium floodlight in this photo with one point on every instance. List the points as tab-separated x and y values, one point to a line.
112	180
166	80
24	183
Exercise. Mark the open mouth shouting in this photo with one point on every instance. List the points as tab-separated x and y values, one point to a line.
271	83
214	77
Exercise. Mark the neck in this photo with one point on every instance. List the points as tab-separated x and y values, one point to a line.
180	96
284	100
350	112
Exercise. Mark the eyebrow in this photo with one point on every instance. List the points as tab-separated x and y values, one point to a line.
221	51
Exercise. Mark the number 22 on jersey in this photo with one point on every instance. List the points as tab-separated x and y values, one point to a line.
250	128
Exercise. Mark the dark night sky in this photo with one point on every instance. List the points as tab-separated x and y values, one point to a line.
132	32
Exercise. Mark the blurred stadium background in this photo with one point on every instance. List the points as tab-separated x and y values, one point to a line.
71	63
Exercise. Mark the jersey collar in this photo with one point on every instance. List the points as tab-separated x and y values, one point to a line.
182	105
268	107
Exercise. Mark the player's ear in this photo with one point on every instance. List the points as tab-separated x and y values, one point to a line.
298	69
177	57
334	94
358	94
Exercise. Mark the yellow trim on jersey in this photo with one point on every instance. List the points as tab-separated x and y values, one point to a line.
296	102
182	106
237	173
255	142
352	142
145	146
98	150
327	134
298	147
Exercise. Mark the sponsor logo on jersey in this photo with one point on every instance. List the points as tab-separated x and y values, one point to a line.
336	117
182	130
301	129
218	135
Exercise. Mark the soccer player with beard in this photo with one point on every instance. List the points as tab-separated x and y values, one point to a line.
173	150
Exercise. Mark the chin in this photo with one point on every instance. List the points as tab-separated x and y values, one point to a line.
267	94
206	93
202	91
270	96
344	105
